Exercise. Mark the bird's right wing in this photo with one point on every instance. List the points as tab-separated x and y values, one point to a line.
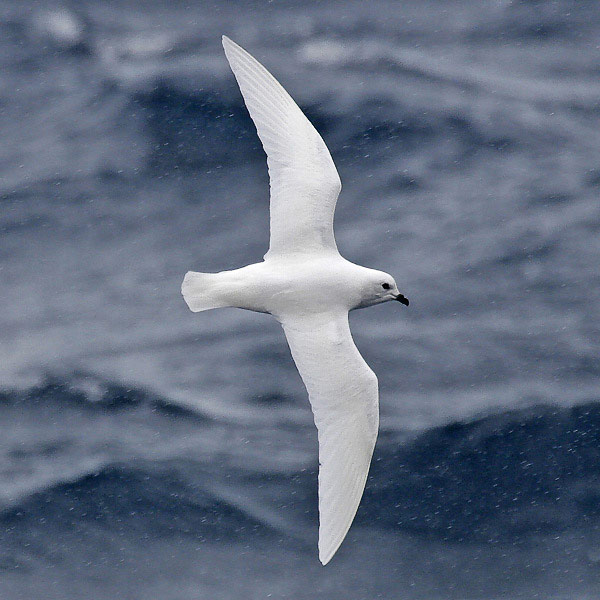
344	398
304	181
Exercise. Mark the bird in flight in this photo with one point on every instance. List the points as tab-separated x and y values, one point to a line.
309	288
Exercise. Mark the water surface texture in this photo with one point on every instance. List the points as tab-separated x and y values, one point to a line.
147	452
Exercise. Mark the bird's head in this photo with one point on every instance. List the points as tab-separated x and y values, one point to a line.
380	287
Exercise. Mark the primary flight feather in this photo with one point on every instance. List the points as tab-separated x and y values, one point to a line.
309	288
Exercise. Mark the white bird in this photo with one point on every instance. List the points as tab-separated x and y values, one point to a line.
309	288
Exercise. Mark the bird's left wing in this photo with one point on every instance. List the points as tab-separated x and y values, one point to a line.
304	181
344	398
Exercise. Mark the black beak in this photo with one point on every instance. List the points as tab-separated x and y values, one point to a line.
402	299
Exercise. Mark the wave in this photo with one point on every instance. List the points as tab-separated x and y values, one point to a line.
196	129
501	477
92	393
507	477
169	70
159	123
199	128
145	500
64	30
425	65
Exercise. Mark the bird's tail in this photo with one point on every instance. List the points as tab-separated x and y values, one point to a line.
201	291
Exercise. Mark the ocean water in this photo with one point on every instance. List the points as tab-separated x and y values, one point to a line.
147	452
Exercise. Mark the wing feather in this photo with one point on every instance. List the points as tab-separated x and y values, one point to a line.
344	398
304	181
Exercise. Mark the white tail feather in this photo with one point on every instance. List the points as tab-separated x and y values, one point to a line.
198	290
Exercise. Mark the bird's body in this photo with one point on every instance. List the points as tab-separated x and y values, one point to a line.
299	284
309	288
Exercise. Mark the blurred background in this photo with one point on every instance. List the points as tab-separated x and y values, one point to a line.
147	452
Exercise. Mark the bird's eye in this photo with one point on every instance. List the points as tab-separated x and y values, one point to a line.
385	286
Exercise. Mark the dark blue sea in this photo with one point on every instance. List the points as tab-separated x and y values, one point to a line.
148	453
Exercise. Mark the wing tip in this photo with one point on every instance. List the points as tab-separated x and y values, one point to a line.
233	51
327	552
328	544
229	44
325	557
